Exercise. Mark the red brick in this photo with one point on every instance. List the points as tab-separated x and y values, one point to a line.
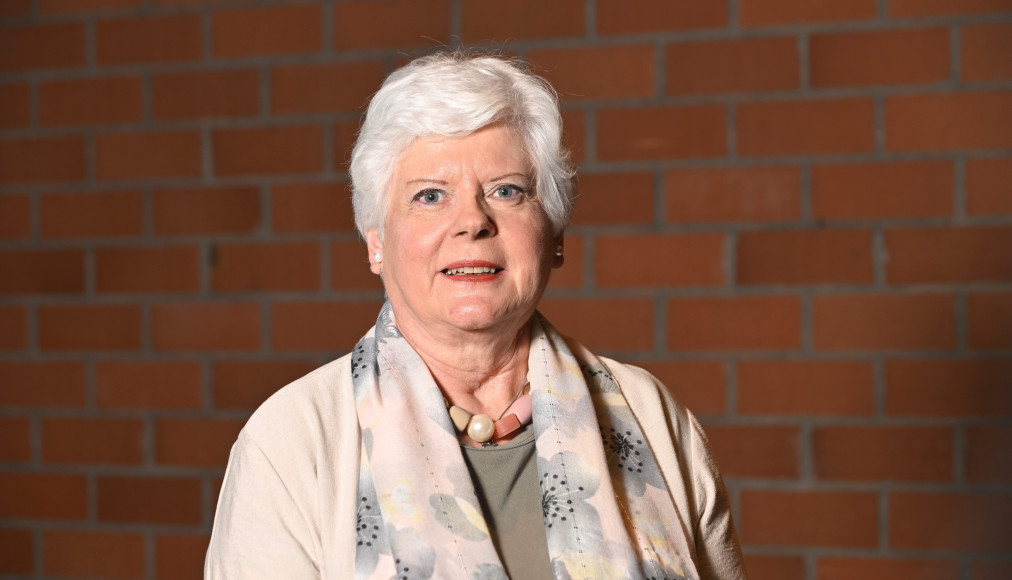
195	442
260	267
154	384
349	267
785	127
608	72
93	554
45	46
17	552
574	135
604	323
148	155
948	121
773	12
205	326
42	384
770	567
903	189
15	105
90	101
571	274
179	556
616	17
660	132
76	6
43	496
268	150
950	521
767	451
268	30
991	570
989	321
806	387
698	385
144	269
92	441
739	323
866	453
41	271
206	210
15	439
948	388
13	327
805	257
909	8
92	215
405	23
884	57
150	39
982	47
245	384
320	326
987	453
44	159
599	195
15	217
217	93
311	207
925	255
732	194
989	186
189	2
90	327
669	260
498	22
15	8
842	568
324	87
732	66
809	518
884	322
150	500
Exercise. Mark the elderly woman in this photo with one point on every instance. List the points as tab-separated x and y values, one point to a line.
464	437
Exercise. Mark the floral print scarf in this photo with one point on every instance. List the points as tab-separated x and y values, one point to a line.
608	513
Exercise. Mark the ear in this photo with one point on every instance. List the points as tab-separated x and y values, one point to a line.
374	243
558	252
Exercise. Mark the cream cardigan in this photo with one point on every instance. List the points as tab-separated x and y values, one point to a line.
288	504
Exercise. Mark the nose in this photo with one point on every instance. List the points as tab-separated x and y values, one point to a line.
473	217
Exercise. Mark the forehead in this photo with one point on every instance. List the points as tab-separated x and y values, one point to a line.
488	152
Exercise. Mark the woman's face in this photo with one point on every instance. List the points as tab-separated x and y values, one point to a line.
465	245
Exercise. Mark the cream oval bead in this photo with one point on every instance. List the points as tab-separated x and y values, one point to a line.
480	428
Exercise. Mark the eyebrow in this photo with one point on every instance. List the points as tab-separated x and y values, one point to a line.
442	182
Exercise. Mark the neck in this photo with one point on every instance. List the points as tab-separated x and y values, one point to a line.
478	371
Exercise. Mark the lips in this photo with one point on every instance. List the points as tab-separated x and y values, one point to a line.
471	269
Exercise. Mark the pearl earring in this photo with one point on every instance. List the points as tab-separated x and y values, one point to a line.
558	250
377	257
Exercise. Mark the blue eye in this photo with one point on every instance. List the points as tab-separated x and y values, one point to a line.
508	192
429	196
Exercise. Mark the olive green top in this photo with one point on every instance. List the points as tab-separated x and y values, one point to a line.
506	480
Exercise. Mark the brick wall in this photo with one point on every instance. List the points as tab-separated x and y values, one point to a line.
798	214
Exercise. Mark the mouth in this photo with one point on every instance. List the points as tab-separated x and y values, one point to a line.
471	270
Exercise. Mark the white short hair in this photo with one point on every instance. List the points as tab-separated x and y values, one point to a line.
454	95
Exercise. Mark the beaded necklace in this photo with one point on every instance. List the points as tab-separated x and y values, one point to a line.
483	429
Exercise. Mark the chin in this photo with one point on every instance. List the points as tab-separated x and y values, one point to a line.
481	316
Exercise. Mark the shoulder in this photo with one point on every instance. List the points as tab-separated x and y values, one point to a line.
305	409
651	401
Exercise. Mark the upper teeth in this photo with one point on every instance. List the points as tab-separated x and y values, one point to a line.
470	270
